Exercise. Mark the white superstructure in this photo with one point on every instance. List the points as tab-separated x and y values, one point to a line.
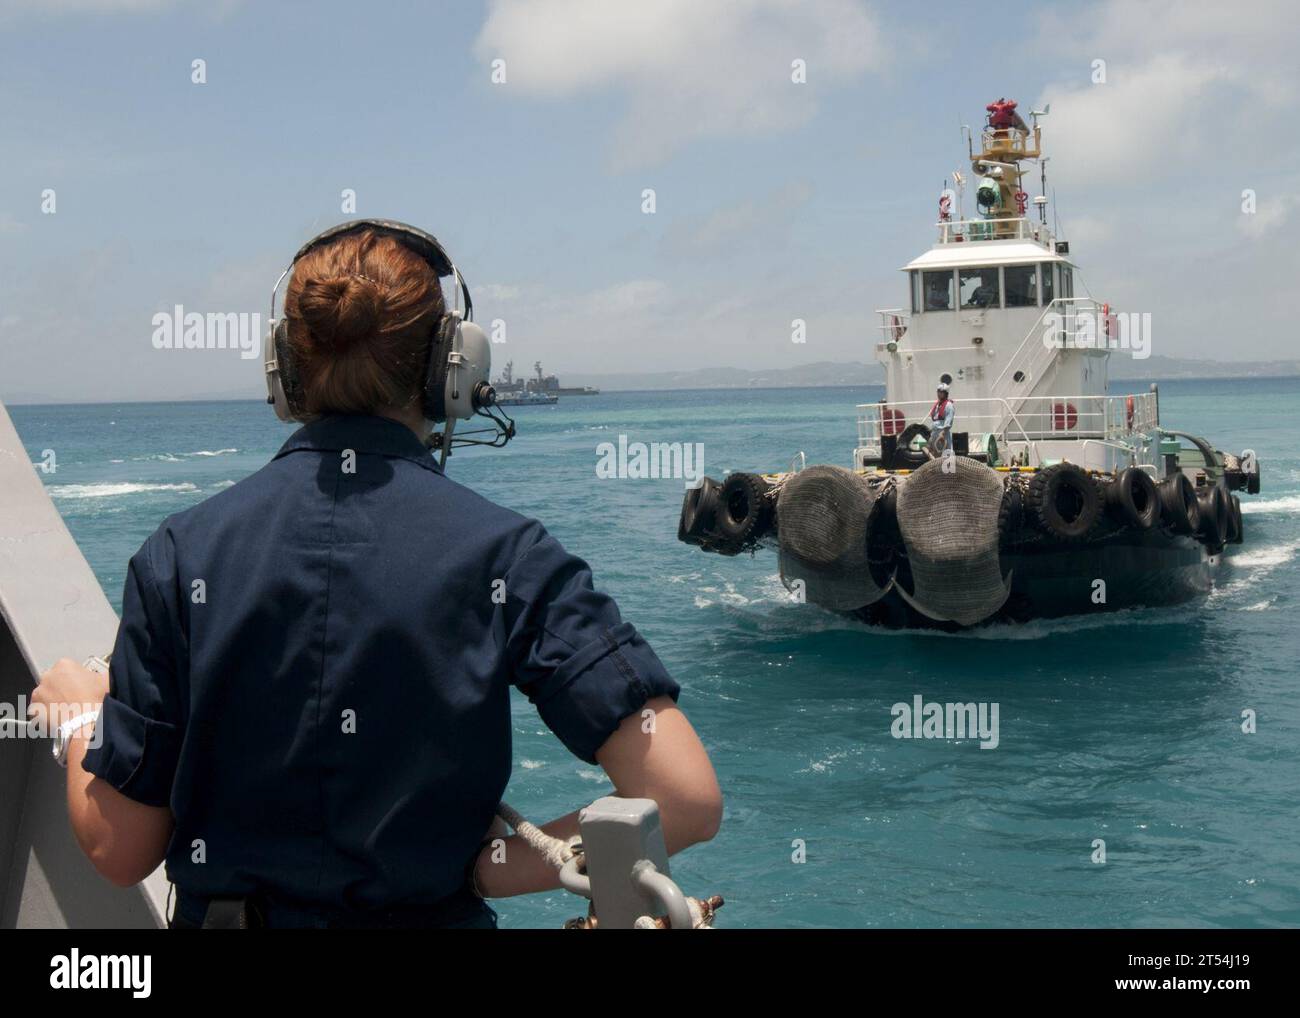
994	307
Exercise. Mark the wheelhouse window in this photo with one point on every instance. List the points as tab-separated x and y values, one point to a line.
979	287
914	285
1047	282
937	287
1021	285
1067	281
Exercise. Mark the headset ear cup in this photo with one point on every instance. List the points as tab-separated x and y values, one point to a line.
288	375
435	379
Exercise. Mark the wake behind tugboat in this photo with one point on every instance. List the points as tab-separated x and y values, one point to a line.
1021	488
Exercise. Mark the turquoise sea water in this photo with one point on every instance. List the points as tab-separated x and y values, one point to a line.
1123	727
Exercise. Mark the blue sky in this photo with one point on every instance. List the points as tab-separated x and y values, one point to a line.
774	200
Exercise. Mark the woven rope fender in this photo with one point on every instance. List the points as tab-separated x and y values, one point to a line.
824	516
948	516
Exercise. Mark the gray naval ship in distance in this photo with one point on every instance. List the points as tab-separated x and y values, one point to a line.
1055	497
508	385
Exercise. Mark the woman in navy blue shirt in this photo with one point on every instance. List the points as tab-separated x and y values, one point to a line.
308	704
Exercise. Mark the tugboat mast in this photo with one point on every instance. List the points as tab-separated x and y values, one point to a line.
1006	140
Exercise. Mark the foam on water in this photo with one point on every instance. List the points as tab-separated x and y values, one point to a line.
174	457
1288	505
1123	725
1263	559
111	490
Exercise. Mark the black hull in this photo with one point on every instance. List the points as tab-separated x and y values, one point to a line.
1053	579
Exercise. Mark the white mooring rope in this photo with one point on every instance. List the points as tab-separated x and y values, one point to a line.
554	850
558	852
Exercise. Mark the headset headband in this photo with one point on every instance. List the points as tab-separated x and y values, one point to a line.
456	382
424	244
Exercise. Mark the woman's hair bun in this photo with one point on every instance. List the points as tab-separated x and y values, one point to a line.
360	311
341	310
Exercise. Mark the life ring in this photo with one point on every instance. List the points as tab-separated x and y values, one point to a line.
1063	500
1128	413
1179	509
891	421
896	328
1022	202
1133	499
1064	416
744	511
1215	512
1105	320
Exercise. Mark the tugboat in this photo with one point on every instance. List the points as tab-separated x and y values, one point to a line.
997	480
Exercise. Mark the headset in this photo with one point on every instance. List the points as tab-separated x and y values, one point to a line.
458	363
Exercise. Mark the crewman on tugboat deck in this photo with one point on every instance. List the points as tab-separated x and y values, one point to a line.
940	418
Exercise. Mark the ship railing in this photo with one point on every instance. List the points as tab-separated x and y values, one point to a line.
894	323
1063	324
1023	419
957	231
1001	142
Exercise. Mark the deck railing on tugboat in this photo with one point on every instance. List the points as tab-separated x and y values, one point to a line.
958	231
1024	419
1011	142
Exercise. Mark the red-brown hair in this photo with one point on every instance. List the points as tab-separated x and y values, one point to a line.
361	311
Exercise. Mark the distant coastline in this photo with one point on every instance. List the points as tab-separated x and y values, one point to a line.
828	374
820	375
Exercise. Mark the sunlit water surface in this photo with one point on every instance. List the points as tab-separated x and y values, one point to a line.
1122	727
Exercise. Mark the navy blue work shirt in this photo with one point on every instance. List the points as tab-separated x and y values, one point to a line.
313	671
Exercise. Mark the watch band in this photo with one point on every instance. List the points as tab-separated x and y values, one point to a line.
64	735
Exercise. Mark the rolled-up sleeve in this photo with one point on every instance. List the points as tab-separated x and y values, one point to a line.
580	664
138	735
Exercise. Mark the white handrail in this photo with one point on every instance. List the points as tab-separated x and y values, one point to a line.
975	231
1036	331
1047	417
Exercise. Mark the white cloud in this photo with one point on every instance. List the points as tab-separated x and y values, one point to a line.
729	227
496	291
608	303
1143	115
1089	232
633	295
642	325
687	69
1184	80
1272	211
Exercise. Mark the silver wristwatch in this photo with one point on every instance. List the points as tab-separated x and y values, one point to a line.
63	736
